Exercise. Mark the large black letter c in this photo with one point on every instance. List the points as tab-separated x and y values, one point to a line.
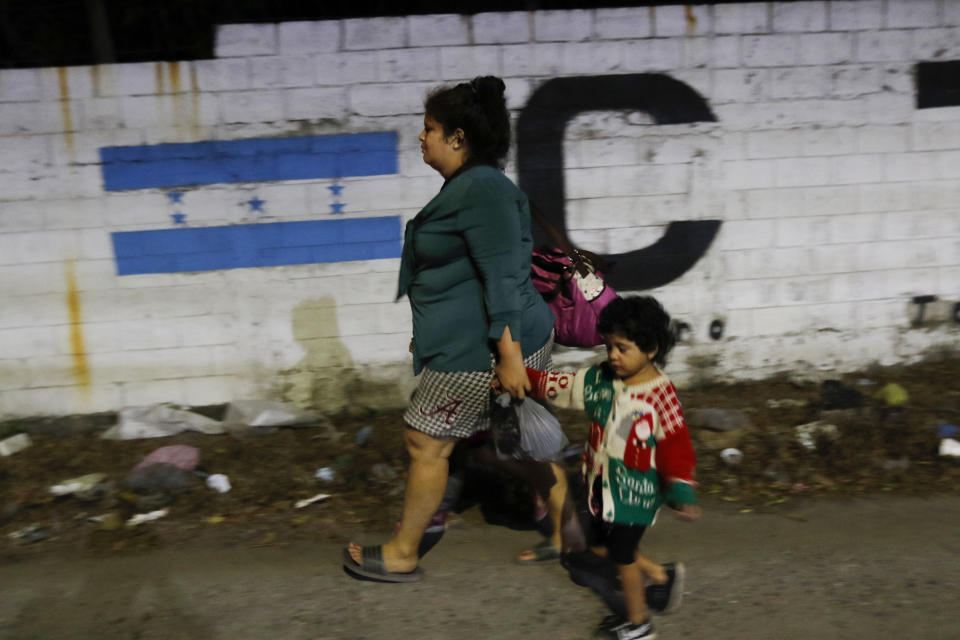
540	132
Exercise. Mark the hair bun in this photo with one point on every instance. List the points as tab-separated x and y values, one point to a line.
487	87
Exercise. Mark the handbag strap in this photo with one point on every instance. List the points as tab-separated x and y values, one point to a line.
560	239
583	261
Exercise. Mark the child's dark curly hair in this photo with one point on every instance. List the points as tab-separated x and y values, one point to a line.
641	319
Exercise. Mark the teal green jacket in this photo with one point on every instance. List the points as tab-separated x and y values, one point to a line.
466	270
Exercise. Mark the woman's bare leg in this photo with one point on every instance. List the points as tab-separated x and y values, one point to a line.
425	485
555	504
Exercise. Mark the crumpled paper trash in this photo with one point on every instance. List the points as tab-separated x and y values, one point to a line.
950	447
219	482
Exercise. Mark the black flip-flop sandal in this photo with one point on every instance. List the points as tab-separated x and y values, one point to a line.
372	567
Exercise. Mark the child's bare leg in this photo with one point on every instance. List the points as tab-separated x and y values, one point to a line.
647	566
631	577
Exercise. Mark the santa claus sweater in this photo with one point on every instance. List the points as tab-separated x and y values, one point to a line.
638	455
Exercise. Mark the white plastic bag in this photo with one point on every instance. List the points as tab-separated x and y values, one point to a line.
541	436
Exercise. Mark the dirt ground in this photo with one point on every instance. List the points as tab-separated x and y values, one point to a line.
878	456
839	569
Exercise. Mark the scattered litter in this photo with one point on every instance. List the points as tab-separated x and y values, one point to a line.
363	435
835	395
108	521
892	395
947	430
30	533
179	455
306	502
808	433
14	444
83	485
158	477
785	403
219	482
265	413
719	440
159	421
327	474
140	518
215	520
717	419
950	447
731	456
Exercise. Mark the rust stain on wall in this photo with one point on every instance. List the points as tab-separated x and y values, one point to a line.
194	102
691	19
158	76
78	351
65	112
174	68
95	79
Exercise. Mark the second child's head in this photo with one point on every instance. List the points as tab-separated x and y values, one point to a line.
639	320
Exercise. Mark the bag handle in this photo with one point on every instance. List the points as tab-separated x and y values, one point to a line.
583	261
560	239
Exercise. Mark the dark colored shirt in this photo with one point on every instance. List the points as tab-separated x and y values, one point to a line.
466	271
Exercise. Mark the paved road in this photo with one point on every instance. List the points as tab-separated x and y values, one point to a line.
869	569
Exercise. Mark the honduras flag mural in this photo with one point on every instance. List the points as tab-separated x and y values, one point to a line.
178	167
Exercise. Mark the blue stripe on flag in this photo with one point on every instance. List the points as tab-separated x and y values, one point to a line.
251	160
257	245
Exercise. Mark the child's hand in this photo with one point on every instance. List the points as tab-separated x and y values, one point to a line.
686	512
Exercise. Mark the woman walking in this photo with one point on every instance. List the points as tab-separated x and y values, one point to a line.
466	271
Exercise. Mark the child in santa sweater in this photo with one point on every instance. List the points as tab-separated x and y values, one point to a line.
638	455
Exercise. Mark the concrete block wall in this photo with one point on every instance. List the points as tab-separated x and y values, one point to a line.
836	196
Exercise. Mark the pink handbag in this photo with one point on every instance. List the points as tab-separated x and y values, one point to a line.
575	292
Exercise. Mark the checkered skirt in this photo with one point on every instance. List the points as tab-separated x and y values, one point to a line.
456	404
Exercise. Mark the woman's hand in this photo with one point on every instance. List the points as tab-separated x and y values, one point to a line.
512	377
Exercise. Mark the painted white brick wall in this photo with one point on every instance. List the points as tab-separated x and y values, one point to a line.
837	196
